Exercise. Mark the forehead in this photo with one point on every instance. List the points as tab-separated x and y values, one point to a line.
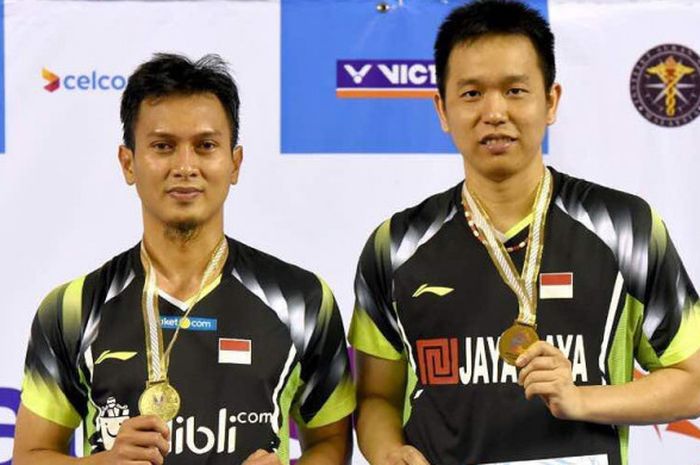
182	113
492	57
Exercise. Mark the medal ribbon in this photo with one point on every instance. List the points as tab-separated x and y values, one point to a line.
523	285
158	359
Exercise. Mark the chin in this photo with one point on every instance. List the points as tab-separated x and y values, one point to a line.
184	224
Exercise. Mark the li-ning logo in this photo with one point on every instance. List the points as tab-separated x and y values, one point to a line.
665	85
385	79
54	82
107	355
437	290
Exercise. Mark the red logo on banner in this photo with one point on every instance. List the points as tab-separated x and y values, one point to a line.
684	427
438	361
54	82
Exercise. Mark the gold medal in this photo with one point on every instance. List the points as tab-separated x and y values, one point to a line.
516	340
160	399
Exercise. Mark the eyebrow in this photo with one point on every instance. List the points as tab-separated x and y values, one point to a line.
162	133
508	79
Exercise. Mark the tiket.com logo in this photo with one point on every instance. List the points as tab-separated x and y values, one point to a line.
385	79
665	85
54	82
188	324
93	81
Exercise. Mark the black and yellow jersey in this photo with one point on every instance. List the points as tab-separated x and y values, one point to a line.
264	342
612	290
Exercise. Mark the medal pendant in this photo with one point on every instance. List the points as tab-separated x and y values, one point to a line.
160	399
516	340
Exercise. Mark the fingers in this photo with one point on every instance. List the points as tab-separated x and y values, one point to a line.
544	363
129	453
142	439
257	454
148	423
406	455
538	349
414	457
262	457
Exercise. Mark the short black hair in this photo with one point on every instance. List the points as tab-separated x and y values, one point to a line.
490	17
169	74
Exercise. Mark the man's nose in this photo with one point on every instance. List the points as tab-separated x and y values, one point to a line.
185	162
495	110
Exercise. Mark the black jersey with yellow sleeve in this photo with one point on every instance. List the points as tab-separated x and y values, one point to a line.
264	342
612	290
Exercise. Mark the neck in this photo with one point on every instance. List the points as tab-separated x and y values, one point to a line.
508	200
180	255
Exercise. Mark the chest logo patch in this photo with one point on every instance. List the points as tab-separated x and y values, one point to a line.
189	323
557	285
235	351
428	289
110	419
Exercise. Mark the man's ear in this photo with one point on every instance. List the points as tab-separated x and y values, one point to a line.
237	157
439	104
126	160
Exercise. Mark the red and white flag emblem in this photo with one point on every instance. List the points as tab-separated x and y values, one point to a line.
556	285
236	351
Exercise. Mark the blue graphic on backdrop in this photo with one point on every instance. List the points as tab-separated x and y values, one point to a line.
2	76
9	399
355	80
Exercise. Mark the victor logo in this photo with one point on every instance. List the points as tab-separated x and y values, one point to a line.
357	76
385	79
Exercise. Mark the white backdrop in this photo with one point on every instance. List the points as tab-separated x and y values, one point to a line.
64	208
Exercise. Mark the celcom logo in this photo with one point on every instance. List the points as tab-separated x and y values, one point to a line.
188	435
665	85
385	79
54	82
94	81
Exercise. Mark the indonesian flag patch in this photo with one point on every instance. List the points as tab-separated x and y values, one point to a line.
235	351
556	285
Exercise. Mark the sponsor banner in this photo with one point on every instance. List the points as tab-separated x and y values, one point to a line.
359	80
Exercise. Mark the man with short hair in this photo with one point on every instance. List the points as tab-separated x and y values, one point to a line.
191	347
453	294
